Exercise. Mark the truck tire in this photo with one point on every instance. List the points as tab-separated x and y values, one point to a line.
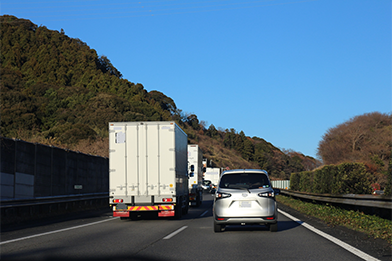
198	201
185	208
178	210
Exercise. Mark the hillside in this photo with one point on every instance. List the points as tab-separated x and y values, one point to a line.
56	90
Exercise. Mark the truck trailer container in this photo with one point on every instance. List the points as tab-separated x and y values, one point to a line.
212	174
195	168
148	170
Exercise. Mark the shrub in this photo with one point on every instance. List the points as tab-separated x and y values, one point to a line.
294	181
306	181
352	178
324	179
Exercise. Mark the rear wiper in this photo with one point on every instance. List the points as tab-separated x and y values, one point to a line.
238	187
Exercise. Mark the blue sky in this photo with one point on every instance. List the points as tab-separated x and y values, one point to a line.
284	70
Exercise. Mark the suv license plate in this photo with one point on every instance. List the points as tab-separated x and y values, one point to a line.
245	204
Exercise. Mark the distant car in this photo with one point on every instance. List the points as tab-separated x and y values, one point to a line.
206	185
245	196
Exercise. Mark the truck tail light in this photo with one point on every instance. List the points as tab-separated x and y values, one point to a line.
167	200
118	201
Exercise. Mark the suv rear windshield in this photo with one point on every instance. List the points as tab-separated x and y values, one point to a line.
244	180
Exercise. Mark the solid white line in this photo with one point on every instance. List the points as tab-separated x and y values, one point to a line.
344	245
56	231
175	232
202	215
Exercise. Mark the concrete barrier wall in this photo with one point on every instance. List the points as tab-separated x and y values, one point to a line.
31	170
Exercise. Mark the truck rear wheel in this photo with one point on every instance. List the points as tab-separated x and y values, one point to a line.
198	199
178	210
185	208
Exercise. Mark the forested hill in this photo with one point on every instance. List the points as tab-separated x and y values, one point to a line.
56	90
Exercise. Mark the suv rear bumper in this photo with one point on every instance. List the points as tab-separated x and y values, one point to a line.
246	220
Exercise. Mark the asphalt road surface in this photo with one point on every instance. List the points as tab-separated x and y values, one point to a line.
99	236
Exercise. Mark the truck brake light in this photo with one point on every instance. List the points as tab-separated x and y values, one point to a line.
167	200
118	201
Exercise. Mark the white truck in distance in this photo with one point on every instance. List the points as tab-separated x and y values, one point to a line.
148	169
195	168
212	174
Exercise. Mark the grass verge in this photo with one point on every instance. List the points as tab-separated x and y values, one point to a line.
373	226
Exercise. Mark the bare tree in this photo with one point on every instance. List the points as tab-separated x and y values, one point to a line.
364	138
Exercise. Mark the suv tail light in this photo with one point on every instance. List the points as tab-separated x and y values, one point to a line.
219	195
267	194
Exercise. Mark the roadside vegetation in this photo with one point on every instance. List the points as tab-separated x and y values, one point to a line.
371	225
365	139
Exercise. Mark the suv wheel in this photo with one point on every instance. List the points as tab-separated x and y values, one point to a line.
217	227
273	227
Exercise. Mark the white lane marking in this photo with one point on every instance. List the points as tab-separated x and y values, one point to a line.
202	215
175	232
56	231
346	246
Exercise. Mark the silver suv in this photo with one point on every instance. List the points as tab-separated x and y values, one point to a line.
245	196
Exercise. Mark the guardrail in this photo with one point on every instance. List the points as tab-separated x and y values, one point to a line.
373	204
21	210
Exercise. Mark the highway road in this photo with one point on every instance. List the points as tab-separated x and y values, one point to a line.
102	237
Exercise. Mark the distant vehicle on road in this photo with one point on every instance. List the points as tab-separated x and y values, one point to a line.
148	165
245	196
207	185
195	167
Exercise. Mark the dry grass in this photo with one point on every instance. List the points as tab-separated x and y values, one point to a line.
212	149
221	156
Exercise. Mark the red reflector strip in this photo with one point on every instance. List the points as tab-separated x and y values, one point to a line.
142	208
150	208
166	207
220	219
270	218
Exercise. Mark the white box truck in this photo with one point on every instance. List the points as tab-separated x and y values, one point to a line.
212	174
195	168
148	169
